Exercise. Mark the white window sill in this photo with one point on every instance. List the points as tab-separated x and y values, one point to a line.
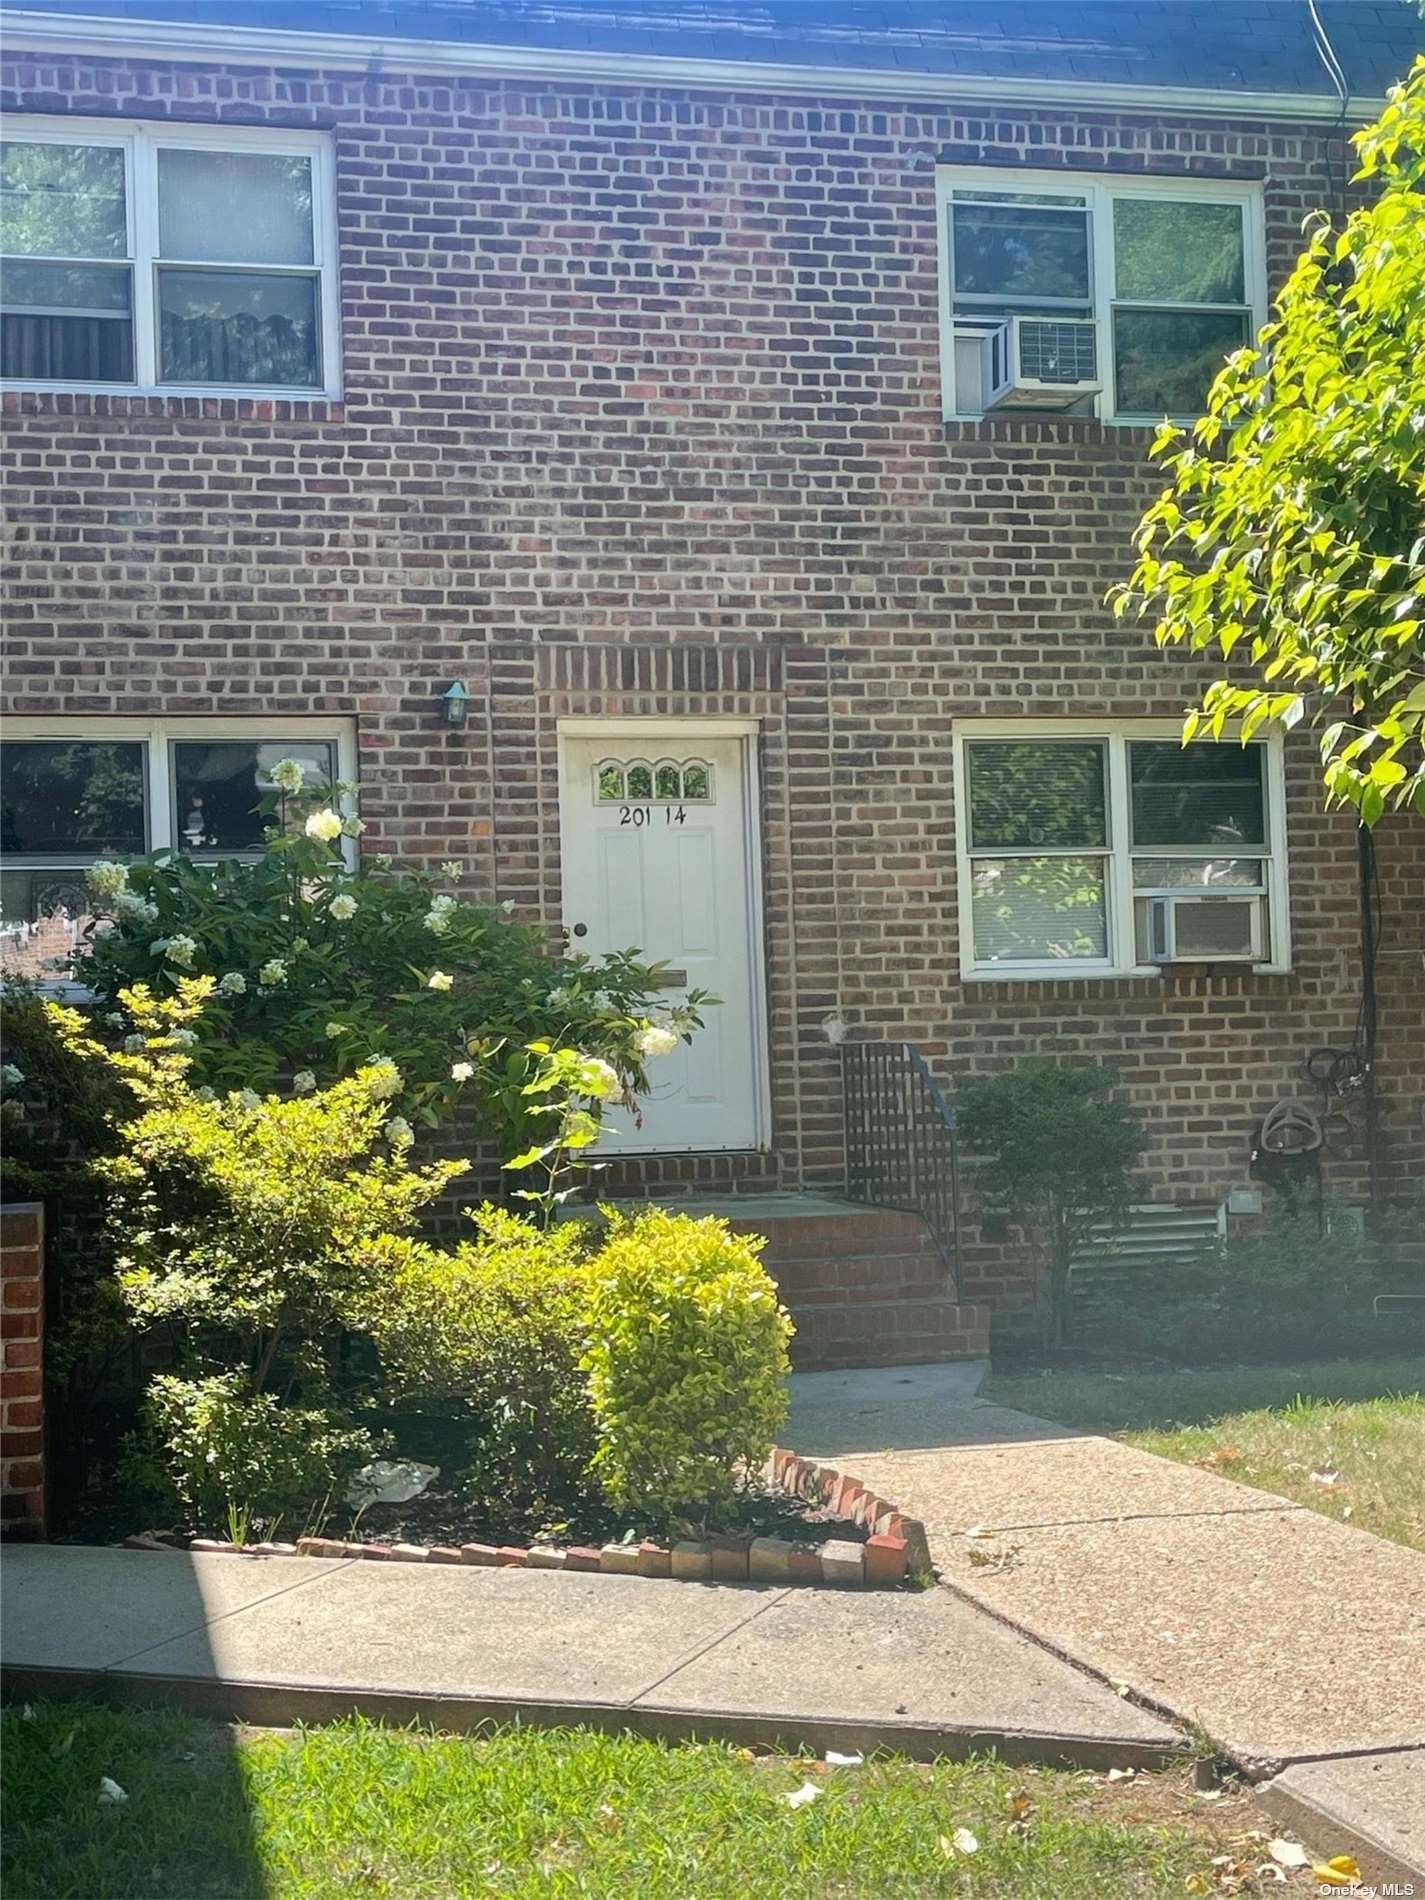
1062	415
1112	973
249	391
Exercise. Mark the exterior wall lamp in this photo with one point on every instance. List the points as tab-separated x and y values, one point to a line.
455	701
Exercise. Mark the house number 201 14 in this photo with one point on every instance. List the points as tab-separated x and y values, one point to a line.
643	815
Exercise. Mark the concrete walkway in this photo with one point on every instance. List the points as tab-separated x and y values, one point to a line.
1296	1643
282	1639
1094	1603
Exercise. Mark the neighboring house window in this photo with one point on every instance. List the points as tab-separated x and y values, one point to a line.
1098	851
72	791
166	257
1129	293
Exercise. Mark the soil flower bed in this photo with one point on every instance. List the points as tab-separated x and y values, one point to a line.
810	1525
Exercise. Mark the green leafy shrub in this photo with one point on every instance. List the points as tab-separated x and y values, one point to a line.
319	968
54	1108
247	1216
491	1331
1053	1148
241	1227
1288	1286
220	1450
687	1362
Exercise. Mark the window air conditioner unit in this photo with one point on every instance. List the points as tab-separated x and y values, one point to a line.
1197	929
1039	362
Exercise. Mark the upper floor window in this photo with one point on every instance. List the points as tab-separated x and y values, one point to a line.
174	258
1118	298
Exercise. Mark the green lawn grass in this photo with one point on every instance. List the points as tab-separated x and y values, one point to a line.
1346	1439
354	1809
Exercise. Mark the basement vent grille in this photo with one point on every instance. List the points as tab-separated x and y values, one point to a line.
1157	1235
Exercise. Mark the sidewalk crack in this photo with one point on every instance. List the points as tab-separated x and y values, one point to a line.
702	1649
1280	1507
209	1622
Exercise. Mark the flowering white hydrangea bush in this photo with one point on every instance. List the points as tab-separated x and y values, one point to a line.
657	1040
317	958
288	775
324	825
107	878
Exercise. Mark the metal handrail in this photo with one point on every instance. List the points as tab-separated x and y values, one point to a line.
900	1141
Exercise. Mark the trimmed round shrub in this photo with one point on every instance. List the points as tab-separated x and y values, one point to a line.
490	1332
687	1363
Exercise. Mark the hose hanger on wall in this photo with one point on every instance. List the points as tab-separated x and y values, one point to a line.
1286	1148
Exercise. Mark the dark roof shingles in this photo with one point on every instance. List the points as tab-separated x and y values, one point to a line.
1228	45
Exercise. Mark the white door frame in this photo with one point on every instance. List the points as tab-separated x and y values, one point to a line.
587	726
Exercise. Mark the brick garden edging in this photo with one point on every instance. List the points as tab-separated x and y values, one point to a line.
896	1545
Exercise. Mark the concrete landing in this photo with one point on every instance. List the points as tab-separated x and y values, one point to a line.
1284	1635
283	1639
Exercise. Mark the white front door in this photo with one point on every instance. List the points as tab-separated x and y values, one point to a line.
658	855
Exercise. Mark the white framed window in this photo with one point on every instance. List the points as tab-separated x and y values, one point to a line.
1111	296
167	258
1110	849
75	790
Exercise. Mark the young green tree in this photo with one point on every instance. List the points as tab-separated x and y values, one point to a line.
1293	528
1053	1148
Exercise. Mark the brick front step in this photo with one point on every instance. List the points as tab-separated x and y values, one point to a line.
835	1336
866	1285
858	1230
855	1254
833	1277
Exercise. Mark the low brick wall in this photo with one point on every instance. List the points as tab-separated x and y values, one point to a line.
22	1436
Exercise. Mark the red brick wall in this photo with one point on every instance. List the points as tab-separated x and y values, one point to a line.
22	1438
643	415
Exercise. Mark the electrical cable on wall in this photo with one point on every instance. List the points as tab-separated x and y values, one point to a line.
1359	1061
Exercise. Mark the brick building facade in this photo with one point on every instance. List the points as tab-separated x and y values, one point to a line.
640	415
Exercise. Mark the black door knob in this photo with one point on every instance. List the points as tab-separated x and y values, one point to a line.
581	930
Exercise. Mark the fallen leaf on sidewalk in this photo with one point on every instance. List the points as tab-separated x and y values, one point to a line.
1231	1875
1288	1853
1339	1871
986	1559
